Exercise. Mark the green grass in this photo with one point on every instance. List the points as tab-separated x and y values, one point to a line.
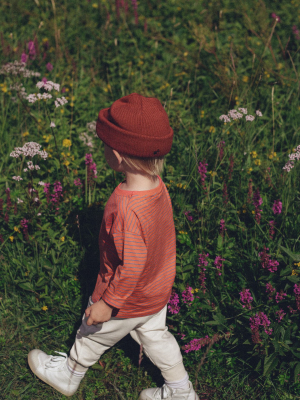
201	59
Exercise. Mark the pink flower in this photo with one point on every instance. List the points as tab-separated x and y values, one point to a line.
218	263
77	182
222	227
270	290
49	67
280	315
225	194
202	263
280	296
276	17
187	295
31	49
202	171
257	201
271	230
173	306
196	344
297	295
270	265
45	80
24	57
257	320
189	217
250	118
277	207
246	298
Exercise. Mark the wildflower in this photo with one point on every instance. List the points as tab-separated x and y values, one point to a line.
187	296
41	183
62	238
277	207
24	58
276	17
297	295
29	149
270	290
91	168
48	85
20	201
258	113
246	298
16	229
47	191
189	217
270	265
60	101
24	224
280	315
31	49
196	344
280	296
202	263
44	308
11	238
243	110
271	230
87	140
250	118
296	32
67	143
257	320
202	171
218	263
257	201
17	178
222	227
49	67
52	125
173	306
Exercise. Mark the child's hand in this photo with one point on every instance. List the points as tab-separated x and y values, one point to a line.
98	312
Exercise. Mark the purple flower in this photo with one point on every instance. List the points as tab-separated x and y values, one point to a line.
271	230
297	295
202	263
196	344
45	80
270	265
202	171
257	320
218	263
246	298
222	227
49	67
77	182
270	290
280	296
187	295
277	207
31	49
24	57
173	306
280	315
189	217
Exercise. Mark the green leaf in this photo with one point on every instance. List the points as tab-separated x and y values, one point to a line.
294	256
296	372
188	268
293	278
270	363
26	286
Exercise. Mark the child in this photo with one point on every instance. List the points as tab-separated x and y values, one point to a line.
137	257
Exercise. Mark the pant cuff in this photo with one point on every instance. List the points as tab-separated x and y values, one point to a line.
175	373
75	366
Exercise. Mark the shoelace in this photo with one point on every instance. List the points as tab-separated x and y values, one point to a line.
56	361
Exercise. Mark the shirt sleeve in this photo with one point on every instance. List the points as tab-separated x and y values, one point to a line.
132	251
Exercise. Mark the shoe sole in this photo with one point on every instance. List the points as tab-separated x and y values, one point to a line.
31	362
149	398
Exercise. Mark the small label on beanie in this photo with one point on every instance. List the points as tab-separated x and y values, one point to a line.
155	152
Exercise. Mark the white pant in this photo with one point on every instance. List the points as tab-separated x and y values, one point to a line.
151	331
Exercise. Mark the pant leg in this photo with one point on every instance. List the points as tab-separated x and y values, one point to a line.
92	341
160	346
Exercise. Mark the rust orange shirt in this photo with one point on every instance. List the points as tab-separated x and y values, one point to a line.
137	243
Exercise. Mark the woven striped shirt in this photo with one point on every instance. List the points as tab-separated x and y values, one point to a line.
137	244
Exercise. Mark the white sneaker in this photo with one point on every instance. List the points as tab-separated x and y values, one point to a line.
54	371
165	392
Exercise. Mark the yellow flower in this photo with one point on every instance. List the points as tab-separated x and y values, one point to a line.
62	239
67	89
26	273
75	279
249	170
253	212
185	54
196	290
184	187
73	98
298	264
245	78
212	129
66	163
95	5
236	98
16	229
280	66
11	238
72	104
253	153
257	162
294	272
4	88
192	290
62	111
24	134
244	211
45	40
67	143
44	308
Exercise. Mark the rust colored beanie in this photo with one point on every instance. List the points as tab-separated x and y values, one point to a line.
136	126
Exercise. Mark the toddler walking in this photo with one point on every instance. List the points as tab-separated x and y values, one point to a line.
137	257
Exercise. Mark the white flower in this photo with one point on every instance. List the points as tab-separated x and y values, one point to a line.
17	178
60	101
224	118
37	167
243	110
250	118
38	214
258	113
235	114
42	183
25	170
36	199
52	125
19	200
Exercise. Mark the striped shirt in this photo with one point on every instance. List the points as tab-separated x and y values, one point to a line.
137	244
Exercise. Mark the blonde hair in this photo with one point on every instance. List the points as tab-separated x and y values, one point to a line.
148	165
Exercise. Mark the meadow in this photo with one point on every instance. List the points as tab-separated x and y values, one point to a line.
227	74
